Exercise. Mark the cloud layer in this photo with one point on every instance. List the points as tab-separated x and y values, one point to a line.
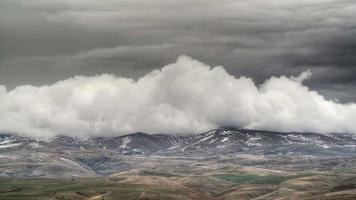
184	97
43	41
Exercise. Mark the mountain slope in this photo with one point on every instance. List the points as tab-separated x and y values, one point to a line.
64	155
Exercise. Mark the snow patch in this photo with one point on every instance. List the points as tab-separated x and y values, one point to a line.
5	141
207	138
35	145
226	132
251	141
125	142
212	141
9	145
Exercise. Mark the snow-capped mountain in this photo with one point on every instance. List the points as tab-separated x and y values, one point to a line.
223	140
63	155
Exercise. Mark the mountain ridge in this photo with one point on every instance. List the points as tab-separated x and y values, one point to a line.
217	138
67	156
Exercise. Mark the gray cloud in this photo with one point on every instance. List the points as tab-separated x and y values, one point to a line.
42	41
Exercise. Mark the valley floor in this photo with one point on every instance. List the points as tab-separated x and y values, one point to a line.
146	185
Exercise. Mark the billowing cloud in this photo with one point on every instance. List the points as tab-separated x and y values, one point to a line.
184	97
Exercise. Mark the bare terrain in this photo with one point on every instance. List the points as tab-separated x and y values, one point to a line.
223	164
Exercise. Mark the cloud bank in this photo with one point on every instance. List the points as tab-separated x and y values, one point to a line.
183	97
50	40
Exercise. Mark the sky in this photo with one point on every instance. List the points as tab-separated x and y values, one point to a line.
47	42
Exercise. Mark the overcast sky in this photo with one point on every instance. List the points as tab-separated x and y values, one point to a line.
43	41
268	50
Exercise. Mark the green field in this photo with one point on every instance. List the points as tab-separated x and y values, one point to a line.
148	185
257	179
110	188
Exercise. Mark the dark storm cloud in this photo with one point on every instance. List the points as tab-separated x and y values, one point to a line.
42	41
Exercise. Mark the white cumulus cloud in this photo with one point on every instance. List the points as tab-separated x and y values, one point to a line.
183	97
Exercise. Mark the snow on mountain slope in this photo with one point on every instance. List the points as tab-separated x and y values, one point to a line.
223	140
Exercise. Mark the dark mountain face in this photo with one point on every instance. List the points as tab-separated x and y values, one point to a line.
137	143
63	155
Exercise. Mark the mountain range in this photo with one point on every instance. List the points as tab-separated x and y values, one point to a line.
71	156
